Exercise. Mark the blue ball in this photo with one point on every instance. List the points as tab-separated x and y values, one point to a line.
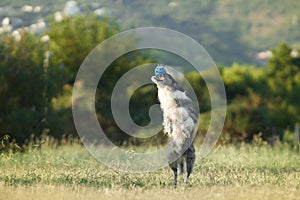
160	71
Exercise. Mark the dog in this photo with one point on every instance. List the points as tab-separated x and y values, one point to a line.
179	122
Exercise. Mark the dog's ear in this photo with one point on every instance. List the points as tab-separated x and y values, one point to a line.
178	87
175	85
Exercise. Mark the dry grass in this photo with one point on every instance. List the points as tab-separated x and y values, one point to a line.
69	172
215	192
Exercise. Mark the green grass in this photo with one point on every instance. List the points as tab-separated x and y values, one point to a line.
69	172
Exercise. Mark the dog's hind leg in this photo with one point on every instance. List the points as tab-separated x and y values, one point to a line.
180	168
190	159
188	173
175	177
173	166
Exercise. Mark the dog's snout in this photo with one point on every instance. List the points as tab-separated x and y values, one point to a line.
153	79
157	79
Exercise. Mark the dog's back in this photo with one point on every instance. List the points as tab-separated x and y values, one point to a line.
180	120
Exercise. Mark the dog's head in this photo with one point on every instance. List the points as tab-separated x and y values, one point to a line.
166	80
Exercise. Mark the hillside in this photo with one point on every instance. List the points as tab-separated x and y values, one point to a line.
231	31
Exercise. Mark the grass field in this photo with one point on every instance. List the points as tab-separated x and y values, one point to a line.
69	172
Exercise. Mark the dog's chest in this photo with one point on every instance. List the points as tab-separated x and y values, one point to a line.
167	102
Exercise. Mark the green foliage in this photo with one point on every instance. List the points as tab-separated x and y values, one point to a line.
284	82
200	89
74	37
71	41
239	79
22	85
263	100
36	77
36	84
139	103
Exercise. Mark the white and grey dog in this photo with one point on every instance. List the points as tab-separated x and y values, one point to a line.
179	121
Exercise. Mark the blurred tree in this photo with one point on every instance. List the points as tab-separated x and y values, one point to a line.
22	85
140	101
74	37
283	75
36	80
200	89
263	99
238	79
71	41
246	110
37	77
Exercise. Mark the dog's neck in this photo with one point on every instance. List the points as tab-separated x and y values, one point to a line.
166	99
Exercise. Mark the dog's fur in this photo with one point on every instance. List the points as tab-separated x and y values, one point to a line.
179	121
